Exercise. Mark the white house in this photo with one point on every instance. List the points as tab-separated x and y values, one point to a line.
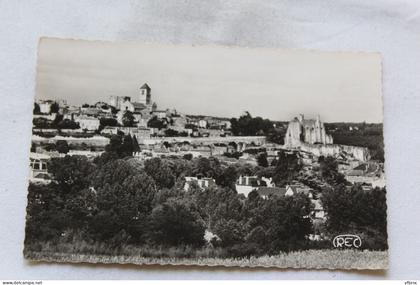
245	184
45	106
38	168
203	183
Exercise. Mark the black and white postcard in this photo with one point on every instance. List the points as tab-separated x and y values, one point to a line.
206	155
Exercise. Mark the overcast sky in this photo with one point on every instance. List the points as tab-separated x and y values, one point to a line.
211	80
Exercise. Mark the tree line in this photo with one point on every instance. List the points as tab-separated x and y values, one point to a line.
118	200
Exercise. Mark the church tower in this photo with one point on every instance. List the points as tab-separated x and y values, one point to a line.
145	95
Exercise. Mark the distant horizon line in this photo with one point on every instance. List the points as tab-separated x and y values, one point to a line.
222	117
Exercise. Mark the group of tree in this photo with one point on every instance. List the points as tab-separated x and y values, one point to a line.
120	146
360	134
352	210
246	125
157	123
174	133
128	119
57	123
118	200
60	146
107	122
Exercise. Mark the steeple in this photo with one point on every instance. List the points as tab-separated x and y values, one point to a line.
145	94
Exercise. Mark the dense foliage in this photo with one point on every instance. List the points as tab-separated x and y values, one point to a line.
156	123
128	119
246	125
121	201
354	211
58	123
361	134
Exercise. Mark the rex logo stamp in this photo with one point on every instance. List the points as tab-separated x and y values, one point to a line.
347	241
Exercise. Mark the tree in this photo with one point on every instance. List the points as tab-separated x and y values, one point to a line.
228	177
136	147
173	224
229	231
355	211
71	172
127	147
155	123
45	219
54	108
276	135
262	159
288	232
36	110
122	146
62	146
108	122
112	172
209	167
160	171
217	203
328	168
67	124
41	123
114	144
128	119
188	156
171	133
287	168
123	205
246	125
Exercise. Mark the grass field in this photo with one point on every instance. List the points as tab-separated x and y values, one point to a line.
314	259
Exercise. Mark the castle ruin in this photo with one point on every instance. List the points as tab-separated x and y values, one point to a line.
311	136
306	131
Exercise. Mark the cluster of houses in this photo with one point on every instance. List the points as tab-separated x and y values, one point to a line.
141	108
175	134
265	188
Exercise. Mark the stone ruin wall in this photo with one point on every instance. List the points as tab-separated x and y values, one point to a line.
292	137
359	153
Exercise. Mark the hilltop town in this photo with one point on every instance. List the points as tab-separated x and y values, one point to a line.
182	159
148	132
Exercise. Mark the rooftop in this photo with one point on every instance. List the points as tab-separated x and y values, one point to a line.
145	86
276	191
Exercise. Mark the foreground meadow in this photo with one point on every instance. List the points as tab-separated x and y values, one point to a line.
315	259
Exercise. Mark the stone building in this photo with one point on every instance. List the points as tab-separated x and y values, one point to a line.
39	168
203	183
145	95
141	106
142	101
301	130
310	136
45	106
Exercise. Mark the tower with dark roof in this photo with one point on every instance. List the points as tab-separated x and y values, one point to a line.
145	95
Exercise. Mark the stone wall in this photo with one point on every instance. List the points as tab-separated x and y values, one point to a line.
359	153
